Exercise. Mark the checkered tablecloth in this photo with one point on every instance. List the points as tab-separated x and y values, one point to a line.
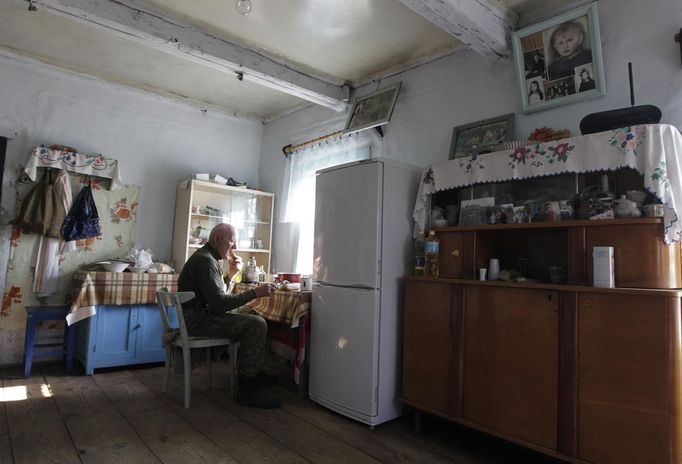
286	306
115	288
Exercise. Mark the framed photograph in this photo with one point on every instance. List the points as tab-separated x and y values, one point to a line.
559	60
476	212
481	136
372	110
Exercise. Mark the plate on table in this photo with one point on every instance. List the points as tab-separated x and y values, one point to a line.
137	270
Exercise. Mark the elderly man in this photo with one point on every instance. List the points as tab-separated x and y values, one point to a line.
209	314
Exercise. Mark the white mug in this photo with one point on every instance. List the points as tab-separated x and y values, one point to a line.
493	269
306	283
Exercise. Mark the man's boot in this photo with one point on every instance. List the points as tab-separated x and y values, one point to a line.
250	392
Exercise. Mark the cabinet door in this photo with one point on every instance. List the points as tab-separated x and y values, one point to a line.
511	344
641	258
149	328
115	340
427	345
456	254
626	404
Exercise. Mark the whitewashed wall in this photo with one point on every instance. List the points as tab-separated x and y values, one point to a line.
464	88
157	141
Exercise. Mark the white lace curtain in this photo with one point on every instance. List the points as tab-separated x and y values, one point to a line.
299	189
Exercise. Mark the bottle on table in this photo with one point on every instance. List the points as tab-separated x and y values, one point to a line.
419	257
431	249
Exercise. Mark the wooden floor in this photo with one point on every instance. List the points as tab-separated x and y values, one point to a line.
121	416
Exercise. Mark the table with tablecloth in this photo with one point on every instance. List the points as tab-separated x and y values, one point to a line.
287	313
92	288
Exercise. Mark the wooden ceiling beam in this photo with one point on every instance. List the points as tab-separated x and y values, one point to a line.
138	21
482	25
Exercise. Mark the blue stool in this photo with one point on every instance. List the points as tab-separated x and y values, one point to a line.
36	314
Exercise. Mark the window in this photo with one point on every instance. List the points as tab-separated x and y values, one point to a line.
299	201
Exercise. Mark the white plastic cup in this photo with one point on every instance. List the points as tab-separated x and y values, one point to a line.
481	273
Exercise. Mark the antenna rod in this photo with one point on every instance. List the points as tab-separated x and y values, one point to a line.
632	88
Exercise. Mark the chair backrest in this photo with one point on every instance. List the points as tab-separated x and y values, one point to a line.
167	300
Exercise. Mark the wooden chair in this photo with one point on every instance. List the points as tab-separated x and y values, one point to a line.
169	300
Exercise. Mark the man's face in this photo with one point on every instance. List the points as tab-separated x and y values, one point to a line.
226	242
567	42
584	76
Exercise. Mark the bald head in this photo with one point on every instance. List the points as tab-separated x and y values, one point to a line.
223	238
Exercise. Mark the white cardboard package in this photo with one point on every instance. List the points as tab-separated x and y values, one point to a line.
603	266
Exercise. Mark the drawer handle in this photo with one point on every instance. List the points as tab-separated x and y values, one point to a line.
455	253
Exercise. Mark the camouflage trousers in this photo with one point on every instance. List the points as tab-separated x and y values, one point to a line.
250	330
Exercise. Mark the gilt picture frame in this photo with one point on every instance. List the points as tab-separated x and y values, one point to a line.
481	136
559	60
372	110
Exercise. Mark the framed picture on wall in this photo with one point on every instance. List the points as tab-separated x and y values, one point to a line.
559	60
372	110
481	136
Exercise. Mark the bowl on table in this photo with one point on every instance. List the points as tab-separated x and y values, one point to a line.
290	277
114	266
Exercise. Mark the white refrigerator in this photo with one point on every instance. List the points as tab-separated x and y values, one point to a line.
363	248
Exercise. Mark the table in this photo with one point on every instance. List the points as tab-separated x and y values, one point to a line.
115	288
120	323
288	315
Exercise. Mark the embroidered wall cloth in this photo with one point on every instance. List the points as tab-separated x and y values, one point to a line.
92	165
118	218
654	150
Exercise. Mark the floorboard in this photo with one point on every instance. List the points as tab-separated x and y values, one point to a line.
5	442
120	415
241	440
37	430
170	437
100	433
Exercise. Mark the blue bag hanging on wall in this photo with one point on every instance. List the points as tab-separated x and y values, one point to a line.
82	221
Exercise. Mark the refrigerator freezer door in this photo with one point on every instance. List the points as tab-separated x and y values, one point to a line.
348	225
344	345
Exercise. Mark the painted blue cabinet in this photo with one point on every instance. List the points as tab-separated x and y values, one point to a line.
119	336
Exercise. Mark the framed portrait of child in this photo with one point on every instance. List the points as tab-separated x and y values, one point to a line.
559	60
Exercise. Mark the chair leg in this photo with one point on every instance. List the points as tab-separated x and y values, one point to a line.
208	361
234	373
188	374
167	368
29	344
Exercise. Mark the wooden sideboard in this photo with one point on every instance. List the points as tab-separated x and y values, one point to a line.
580	373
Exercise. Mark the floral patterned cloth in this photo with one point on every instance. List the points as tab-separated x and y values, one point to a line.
92	165
654	150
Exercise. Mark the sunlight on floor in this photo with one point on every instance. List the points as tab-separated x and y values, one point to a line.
20	393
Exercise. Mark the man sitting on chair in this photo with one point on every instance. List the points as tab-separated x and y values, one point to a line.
210	314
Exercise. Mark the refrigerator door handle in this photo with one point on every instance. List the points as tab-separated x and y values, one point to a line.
360	286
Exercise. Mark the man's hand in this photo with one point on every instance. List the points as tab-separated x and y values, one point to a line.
235	263
265	289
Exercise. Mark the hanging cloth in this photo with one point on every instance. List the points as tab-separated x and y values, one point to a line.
36	208
47	260
82	221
